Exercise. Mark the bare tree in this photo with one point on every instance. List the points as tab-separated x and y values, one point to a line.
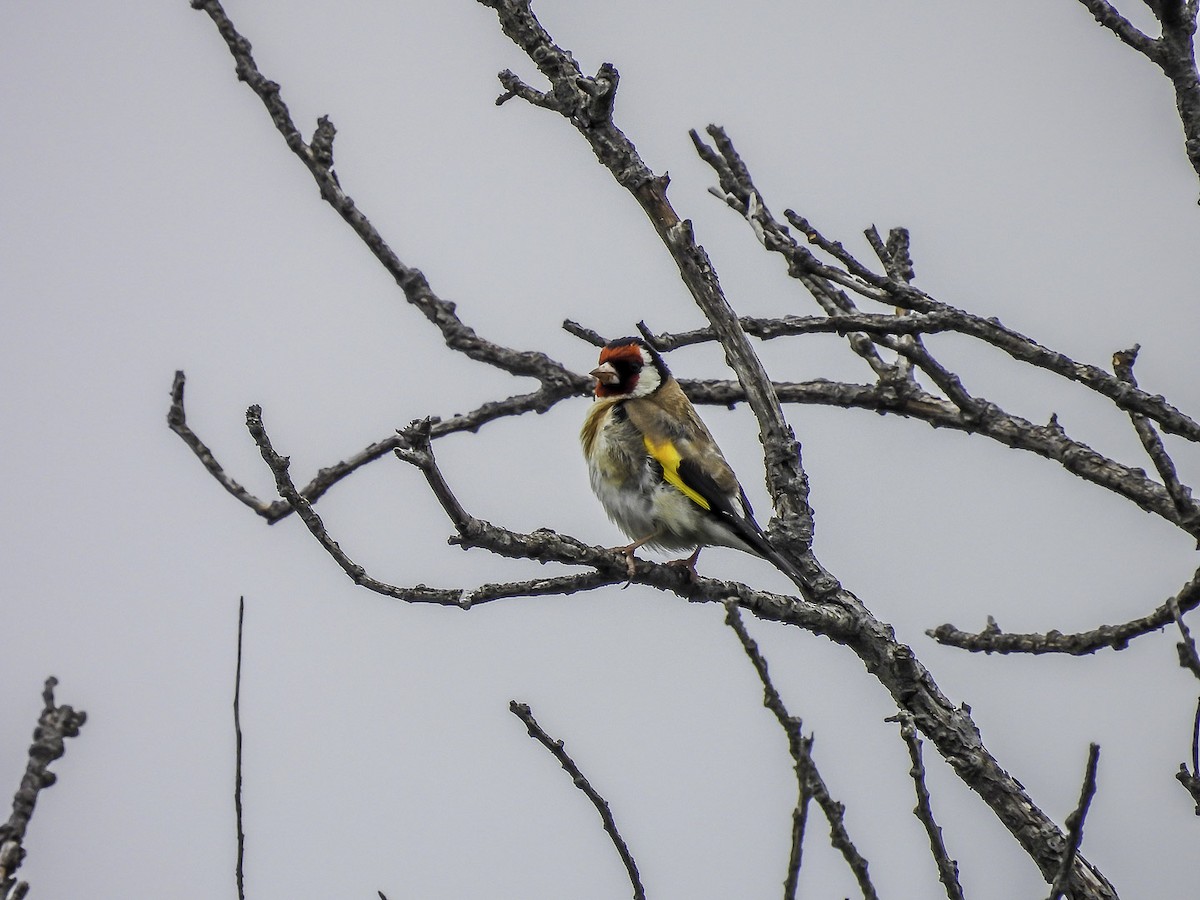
905	379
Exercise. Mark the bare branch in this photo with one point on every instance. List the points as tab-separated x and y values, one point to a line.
993	640
525	714
237	764
1048	441
739	193
545	546
1188	658
1106	14
420	593
898	293
55	725
1062	879
442	313
177	421
1174	52
582	333
539	401
947	867
1181	495
1191	780
808	779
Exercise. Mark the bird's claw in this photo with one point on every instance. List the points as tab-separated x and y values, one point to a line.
688	565
630	562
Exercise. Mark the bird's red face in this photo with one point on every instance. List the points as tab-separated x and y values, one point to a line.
626	369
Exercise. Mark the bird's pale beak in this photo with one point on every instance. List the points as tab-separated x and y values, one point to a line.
605	374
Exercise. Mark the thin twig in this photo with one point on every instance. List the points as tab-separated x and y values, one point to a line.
539	401
992	640
237	770
1062	879
809	781
177	422
525	714
1181	495
739	193
899	293
1191	780
556	381
420	593
1188	657
947	867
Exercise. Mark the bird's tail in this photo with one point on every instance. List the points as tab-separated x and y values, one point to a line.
749	532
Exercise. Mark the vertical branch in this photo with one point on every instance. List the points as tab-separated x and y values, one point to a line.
1075	825
237	737
1189	659
799	822
947	867
1191	780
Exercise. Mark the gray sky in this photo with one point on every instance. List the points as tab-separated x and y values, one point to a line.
154	220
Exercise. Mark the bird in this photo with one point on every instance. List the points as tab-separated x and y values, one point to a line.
656	468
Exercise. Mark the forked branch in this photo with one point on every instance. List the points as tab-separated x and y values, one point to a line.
810	784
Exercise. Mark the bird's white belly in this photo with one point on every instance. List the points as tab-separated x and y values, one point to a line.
643	506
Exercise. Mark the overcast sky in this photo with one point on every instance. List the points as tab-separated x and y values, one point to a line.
153	220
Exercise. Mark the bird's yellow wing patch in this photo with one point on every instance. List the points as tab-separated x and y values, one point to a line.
666	454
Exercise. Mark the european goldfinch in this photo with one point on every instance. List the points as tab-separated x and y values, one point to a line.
656	469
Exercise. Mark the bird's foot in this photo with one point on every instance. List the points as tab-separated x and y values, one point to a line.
630	561
688	563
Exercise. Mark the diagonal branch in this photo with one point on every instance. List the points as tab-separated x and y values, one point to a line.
441	313
177	422
1106	15
1180	494
808	779
947	867
55	725
1062	879
525	714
